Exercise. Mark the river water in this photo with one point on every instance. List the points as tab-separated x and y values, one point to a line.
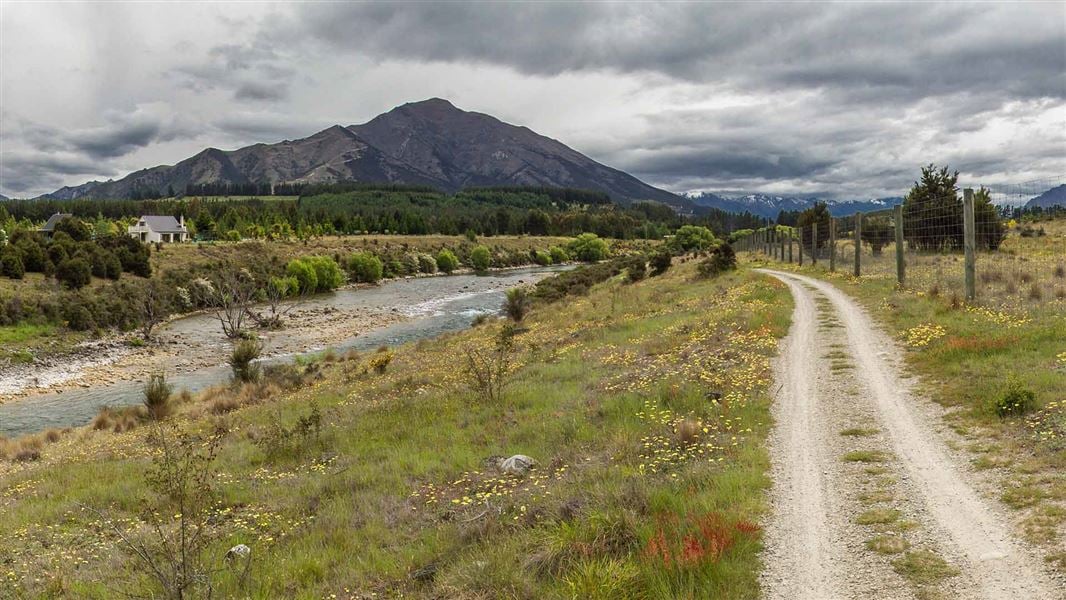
435	305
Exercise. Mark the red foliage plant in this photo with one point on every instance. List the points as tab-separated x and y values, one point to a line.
700	539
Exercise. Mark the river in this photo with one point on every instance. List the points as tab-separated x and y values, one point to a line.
432	305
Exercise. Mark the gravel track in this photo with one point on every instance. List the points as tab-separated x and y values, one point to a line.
814	549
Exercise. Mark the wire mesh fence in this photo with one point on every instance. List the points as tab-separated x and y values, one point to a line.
994	245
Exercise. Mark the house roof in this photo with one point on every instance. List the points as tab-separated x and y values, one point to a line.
162	224
53	220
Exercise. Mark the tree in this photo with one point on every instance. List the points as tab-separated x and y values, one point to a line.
588	247
229	296
154	302
446	261
75	273
365	267
480	258
815	216
327	272
932	211
275	292
878	232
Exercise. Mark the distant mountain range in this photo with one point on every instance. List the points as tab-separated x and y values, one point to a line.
769	206
1056	196
421	143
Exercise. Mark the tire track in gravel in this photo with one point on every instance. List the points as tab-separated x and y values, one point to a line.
805	558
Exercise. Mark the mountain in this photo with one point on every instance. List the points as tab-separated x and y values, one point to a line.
421	143
769	206
1056	196
3	197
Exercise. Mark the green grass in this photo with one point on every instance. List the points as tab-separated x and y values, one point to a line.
397	484
865	456
18	334
859	431
878	516
922	567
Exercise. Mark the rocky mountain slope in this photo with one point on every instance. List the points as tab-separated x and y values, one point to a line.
1056	196
424	143
769	206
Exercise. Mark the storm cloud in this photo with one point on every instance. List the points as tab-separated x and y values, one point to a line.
845	100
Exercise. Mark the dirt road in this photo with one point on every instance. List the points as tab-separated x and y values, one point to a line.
867	500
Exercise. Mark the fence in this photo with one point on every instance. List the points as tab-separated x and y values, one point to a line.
985	248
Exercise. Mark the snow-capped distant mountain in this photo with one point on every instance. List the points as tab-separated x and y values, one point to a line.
769	206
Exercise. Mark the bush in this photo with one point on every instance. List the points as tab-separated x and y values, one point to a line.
722	259
157	396
75	273
517	304
381	360
480	258
542	258
427	264
305	275
558	255
588	247
242	361
692	238
11	265
78	317
327	271
446	261
661	261
365	267
576	282
636	268
1016	400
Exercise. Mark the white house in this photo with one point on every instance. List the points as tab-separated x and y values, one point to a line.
152	229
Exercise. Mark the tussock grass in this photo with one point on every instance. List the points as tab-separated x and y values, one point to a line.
878	516
922	567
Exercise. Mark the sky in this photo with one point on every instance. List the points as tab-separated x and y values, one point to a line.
831	99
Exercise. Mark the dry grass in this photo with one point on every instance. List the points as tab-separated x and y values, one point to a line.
887	544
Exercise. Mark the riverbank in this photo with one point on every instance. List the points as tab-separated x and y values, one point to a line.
179	348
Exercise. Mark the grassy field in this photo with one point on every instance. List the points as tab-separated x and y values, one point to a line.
646	407
970	357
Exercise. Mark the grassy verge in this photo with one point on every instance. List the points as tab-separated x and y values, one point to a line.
1000	367
646	407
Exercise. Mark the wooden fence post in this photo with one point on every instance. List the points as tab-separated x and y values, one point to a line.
969	243
901	276
858	244
781	251
814	244
799	232
791	234
832	244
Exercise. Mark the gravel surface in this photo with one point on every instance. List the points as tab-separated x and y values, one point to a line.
838	372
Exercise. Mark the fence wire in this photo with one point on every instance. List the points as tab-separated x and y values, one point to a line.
1019	244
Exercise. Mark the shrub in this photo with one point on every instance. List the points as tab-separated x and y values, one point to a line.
588	247
722	259
427	264
365	267
558	255
1016	400
488	371
661	261
242	360
304	273
446	261
480	258
157	396
11	265
576	282
327	272
380	362
636	268
78	317
279	441
74	273
517	304
692	238
542	258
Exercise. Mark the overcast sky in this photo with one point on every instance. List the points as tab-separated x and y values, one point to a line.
838	99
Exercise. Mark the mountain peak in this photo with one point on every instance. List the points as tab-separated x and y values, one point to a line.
430	142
